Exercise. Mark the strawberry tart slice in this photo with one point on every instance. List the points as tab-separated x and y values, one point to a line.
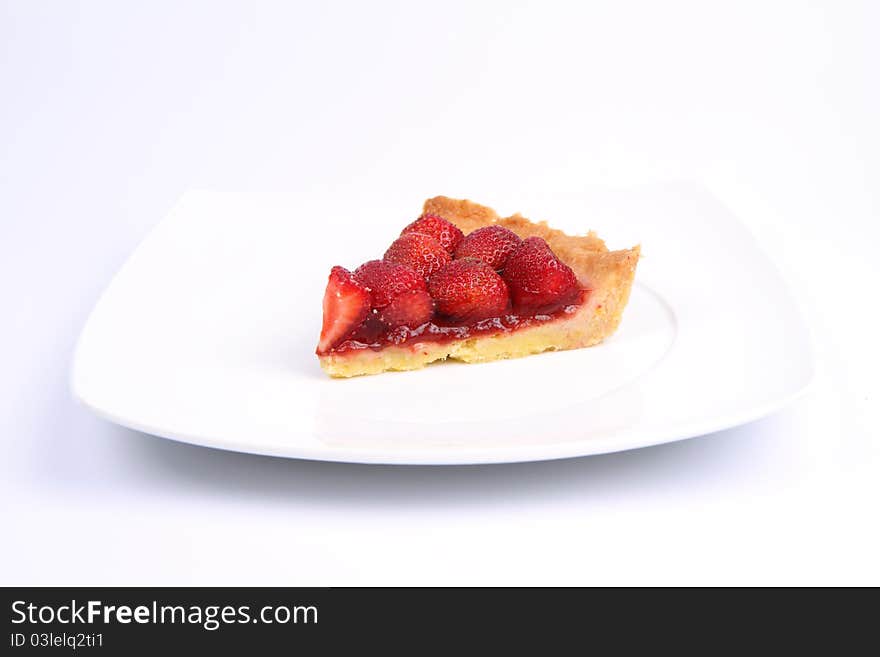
463	283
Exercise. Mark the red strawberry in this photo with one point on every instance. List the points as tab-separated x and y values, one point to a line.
445	232
370	331
538	280
468	290
419	251
346	304
386	280
410	309
491	244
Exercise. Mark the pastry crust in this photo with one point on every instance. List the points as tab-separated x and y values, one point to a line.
607	274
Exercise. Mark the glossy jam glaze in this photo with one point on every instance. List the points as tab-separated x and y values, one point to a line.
371	335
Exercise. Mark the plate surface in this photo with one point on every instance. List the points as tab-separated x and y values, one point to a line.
207	336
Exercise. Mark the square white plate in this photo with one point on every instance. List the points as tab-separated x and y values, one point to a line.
207	336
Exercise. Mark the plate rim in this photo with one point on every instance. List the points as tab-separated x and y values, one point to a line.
467	456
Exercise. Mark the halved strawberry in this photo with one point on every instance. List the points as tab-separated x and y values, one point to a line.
445	232
538	280
386	280
421	252
410	309
491	244
346	304
468	290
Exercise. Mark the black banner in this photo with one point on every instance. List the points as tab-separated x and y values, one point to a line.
244	620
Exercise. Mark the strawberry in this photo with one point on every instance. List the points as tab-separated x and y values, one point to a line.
386	280
370	331
538	280
410	309
445	232
419	251
346	304
468	290
491	244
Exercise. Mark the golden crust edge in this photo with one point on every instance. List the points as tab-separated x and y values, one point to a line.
568	333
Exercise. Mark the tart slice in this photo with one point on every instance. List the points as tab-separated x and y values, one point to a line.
462	283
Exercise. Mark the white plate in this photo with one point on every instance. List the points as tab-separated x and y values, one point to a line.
207	336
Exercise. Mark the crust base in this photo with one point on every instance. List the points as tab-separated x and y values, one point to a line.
608	274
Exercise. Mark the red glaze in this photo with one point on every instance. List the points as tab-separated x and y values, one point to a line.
439	330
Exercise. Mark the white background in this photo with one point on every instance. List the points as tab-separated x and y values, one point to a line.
110	110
